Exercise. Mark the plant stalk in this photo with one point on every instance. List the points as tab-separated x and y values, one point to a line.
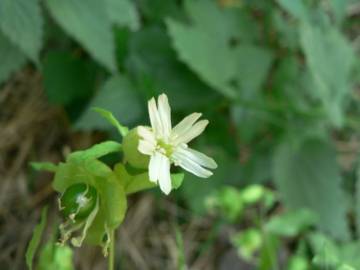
111	256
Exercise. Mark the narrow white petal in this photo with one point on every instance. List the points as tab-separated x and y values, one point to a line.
164	175
165	114
154	167
155	118
198	157
146	134
146	147
192	133
185	162
185	124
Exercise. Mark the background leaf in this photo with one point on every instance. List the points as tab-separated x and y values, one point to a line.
88	22
11	58
118	96
123	13
308	176
21	21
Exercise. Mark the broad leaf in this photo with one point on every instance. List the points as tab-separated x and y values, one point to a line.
88	22
123	13
296	8
330	59
35	240
118	96
12	58
151	47
308	176
21	21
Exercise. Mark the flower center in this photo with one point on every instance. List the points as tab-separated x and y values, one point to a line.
164	148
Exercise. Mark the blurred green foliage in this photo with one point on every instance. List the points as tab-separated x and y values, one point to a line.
276	79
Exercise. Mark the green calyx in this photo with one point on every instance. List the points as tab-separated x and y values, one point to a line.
131	153
78	201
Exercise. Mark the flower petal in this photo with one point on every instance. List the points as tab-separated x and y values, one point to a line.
155	118
183	159
198	157
154	167
185	125
191	133
146	134
164	114
164	175
146	147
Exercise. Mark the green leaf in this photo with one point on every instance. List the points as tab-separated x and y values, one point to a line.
253	67
123	13
176	180
296	8
150	47
205	44
36	238
330	59
114	198
118	96
292	223
88	22
11	58
43	166
68	78
21	21
213	63
96	151
308	176
56	257
247	243
112	120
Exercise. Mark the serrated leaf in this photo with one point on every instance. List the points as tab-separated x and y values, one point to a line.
330	59
43	166
123	13
309	177
205	44
68	78
96	151
35	240
214	68
87	22
118	96
21	21
11	58
112	120
151	47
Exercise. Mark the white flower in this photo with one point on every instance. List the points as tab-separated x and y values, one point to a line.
166	145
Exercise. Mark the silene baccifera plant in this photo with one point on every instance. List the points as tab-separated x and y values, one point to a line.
93	196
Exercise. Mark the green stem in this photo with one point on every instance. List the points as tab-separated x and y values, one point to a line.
111	260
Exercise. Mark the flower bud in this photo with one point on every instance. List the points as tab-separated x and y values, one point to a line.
131	152
78	201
